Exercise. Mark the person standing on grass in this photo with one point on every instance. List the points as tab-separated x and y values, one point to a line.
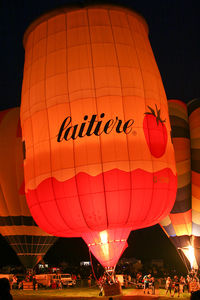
188	280
34	282
181	285
90	280
146	284
168	286
15	282
152	281
176	286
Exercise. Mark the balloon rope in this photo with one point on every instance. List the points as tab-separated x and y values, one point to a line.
182	256
92	266
185	262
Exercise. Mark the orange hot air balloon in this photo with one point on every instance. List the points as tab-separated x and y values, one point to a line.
99	158
16	223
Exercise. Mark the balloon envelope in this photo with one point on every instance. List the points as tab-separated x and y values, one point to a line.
182	225
16	223
95	127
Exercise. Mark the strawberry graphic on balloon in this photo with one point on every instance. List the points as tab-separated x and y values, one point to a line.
155	132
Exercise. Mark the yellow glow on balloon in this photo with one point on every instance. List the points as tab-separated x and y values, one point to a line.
104	241
104	237
189	253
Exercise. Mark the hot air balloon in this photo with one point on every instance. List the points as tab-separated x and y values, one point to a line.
194	123
183	225
99	159
16	223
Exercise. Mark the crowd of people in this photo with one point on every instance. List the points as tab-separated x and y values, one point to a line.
177	285
149	284
17	283
174	284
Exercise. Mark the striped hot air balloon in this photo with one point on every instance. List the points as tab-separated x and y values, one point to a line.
183	223
16	223
194	123
99	158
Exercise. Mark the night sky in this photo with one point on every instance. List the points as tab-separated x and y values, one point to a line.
175	39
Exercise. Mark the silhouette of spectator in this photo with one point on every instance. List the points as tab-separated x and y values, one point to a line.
5	289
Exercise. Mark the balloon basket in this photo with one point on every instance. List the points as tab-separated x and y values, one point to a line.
113	289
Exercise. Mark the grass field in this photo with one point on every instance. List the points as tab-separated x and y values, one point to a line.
86	293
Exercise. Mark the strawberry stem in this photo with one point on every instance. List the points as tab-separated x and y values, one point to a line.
155	114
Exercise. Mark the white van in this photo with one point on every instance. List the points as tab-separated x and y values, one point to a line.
67	280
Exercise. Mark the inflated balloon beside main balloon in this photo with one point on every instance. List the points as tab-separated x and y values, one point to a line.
182	224
29	242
